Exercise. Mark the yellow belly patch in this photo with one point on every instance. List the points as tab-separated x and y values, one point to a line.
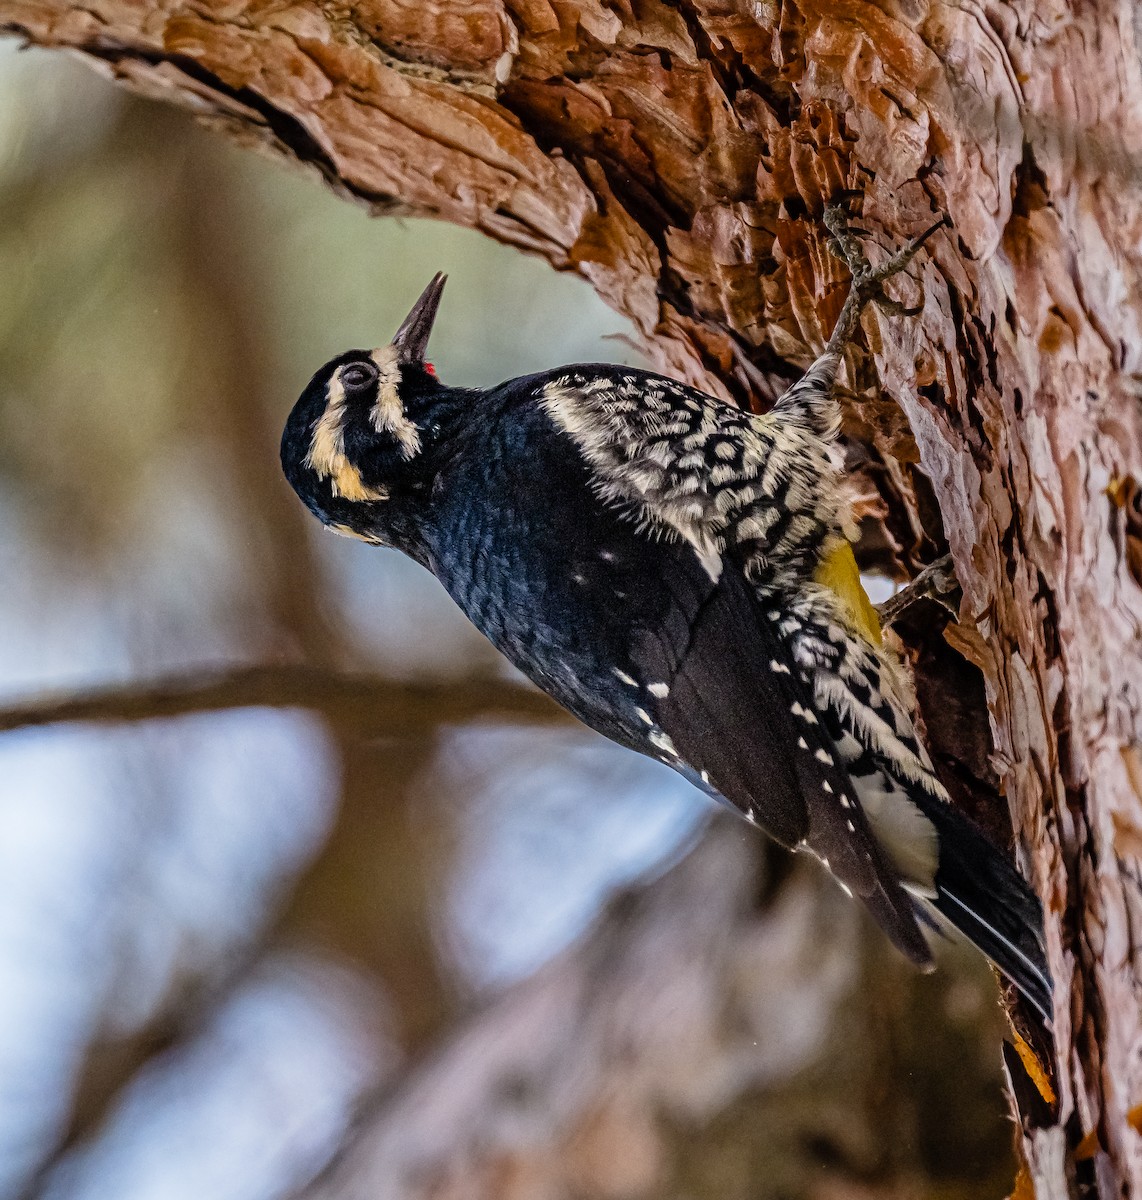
838	572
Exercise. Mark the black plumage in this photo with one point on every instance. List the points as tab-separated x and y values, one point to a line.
653	559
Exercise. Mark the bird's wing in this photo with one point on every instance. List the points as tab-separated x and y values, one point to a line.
750	497
859	699
735	709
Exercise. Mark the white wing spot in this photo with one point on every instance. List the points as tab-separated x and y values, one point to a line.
623	677
825	757
804	745
661	690
827	786
663	742
710	559
846	802
778	668
644	716
851	827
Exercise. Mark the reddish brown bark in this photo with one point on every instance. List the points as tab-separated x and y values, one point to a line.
679	156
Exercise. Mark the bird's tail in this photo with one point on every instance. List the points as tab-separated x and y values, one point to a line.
990	903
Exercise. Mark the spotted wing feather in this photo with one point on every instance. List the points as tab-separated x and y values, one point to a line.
758	499
737	711
969	882
697	468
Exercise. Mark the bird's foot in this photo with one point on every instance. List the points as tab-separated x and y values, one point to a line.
936	582
867	281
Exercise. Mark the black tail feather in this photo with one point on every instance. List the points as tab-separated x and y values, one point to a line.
990	903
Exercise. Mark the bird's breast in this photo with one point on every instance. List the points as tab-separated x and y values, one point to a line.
557	580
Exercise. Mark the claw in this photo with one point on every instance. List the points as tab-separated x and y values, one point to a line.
867	281
937	582
894	308
836	220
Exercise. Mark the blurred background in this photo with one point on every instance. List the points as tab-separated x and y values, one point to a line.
257	952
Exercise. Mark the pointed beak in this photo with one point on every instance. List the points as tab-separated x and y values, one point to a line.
411	339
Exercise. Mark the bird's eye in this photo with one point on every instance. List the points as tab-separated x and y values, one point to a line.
358	376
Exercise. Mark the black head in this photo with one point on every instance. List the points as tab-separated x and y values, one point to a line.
357	436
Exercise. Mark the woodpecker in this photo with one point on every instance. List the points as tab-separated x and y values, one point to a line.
675	571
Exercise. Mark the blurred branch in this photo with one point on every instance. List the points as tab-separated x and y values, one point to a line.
238	407
692	1044
363	702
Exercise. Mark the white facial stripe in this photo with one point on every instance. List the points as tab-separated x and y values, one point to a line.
388	413
327	450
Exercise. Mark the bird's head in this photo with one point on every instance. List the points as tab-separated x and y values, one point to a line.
358	434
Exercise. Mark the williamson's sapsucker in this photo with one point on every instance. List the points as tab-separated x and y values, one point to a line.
675	572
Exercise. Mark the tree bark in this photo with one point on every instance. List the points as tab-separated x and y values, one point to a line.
678	156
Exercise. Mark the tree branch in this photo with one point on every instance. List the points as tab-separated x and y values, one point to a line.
369	704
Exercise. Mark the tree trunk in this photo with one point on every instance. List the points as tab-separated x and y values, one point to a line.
678	156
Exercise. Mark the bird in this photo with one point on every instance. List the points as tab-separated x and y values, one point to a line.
678	573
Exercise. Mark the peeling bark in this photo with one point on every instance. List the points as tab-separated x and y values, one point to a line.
678	156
